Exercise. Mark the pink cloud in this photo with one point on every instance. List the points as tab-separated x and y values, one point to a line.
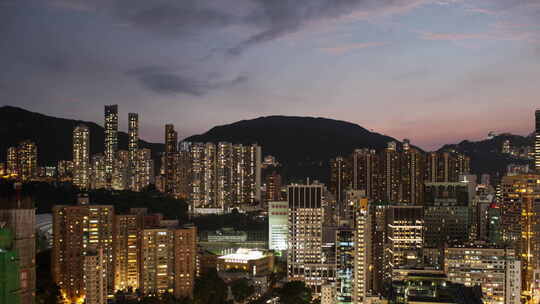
497	35
340	49
484	11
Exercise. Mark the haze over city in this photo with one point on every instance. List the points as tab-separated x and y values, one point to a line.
407	68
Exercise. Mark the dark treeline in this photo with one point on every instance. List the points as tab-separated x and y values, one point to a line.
46	195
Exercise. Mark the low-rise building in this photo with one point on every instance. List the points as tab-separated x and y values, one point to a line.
496	270
254	262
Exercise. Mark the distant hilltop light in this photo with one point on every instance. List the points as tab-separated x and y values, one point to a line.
491	134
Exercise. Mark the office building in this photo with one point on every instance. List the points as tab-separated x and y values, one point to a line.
428	287
111	140
363	251
493	223
537	141
81	157
278	225
19	216
447	214
345	265
305	260
496	270
253	262
405	235
520	219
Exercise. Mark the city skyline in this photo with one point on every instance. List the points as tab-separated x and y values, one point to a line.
442	63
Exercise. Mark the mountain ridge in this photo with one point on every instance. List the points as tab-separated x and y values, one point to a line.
53	135
303	144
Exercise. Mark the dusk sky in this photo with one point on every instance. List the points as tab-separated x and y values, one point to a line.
434	71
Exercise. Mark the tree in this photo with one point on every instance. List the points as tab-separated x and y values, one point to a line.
241	289
209	289
295	292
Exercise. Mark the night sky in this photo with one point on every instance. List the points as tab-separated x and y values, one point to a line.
434	71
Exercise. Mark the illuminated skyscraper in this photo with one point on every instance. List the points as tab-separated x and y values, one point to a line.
111	139
413	173
77	230
120	177
273	187
183	174
197	172
446	213
133	133
520	220
133	146
209	177
278	225
95	276
496	270
127	259
185	261
446	166
171	149
12	165
362	250
405	237
99	177
65	170
366	173
81	156
305	259
339	177
537	141
224	169
27	160
251	175
224	176
391	177
157	261
145	169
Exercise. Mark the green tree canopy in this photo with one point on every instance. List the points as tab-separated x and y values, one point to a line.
295	292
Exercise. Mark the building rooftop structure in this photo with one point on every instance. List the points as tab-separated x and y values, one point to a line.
243	255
